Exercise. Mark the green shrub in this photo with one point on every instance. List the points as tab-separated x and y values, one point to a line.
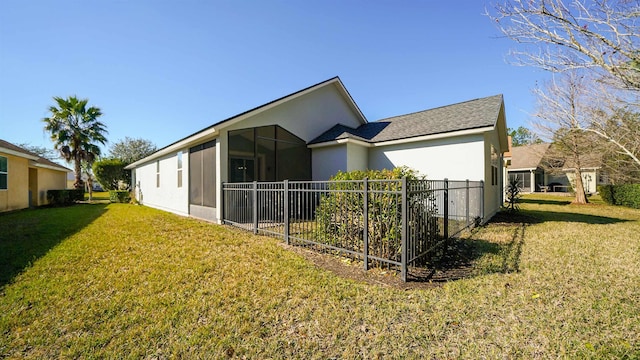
625	195
119	196
65	196
110	172
606	193
340	215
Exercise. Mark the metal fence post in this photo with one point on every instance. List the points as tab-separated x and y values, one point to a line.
482	201
446	209
255	207
467	205
285	196
223	203
365	220
403	250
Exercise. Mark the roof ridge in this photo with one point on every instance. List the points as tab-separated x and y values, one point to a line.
439	107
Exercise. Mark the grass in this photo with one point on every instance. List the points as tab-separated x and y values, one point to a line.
125	281
97	196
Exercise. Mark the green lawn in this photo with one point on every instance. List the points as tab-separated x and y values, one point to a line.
97	196
126	281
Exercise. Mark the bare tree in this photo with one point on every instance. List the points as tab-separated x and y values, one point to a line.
612	119
559	35
563	105
602	36
622	124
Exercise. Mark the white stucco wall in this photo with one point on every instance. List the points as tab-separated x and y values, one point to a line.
493	194
306	116
327	161
168	196
357	157
455	158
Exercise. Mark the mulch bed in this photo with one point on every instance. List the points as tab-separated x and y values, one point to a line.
456	265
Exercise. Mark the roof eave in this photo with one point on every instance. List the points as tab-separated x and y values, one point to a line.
464	132
339	142
205	135
522	169
50	167
582	168
18	153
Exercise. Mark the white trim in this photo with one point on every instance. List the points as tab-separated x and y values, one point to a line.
17	153
269	106
522	169
582	168
191	140
406	140
436	136
50	167
340	142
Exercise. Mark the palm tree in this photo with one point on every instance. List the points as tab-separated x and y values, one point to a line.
75	132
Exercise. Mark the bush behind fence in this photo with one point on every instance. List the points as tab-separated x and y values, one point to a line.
394	222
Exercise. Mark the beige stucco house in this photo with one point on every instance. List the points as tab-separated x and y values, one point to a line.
25	177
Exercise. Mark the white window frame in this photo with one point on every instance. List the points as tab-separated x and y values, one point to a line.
5	173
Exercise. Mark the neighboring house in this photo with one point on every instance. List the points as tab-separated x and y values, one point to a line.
592	173
71	179
526	166
315	132
25	177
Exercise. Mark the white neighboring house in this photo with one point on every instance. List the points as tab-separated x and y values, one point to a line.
315	132
526	166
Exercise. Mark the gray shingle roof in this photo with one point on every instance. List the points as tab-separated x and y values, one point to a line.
527	156
462	116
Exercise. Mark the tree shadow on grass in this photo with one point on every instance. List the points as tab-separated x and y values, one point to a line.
464	255
461	258
544	201
27	235
544	216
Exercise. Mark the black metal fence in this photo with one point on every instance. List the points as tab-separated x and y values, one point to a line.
395	222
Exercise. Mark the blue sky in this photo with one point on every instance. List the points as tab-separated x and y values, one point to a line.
161	70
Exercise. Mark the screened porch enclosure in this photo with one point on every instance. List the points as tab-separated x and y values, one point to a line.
267	153
202	181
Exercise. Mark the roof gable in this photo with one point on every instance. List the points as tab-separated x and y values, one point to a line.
212	130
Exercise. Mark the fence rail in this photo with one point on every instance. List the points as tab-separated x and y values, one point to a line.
395	222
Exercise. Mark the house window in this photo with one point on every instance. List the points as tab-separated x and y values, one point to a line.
523	179
4	168
267	153
494	166
158	173
179	156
